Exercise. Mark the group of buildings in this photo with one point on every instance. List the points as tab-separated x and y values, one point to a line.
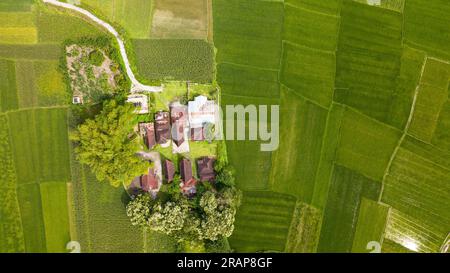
177	126
182	123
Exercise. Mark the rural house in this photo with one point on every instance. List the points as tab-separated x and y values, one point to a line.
162	128
146	183
201	112
205	168
188	184
179	120
185	169
169	170
147	131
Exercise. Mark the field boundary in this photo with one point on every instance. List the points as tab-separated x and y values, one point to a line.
405	130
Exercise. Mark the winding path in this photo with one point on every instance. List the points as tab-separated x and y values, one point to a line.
136	86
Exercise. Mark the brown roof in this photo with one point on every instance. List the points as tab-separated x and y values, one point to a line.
169	170
149	181
186	170
162	127
205	167
150	139
179	113
189	187
197	134
178	132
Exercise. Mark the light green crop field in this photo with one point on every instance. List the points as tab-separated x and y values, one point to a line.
246	81
302	125
134	16
371	224
341	213
263	221
180	19
55	215
8	94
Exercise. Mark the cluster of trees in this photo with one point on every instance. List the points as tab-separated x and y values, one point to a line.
207	217
107	144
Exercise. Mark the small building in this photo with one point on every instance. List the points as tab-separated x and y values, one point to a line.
186	170
179	120
189	187
146	183
201	112
197	134
135	186
149	182
140	102
162	128
147	131
205	169
77	99
178	133
169	170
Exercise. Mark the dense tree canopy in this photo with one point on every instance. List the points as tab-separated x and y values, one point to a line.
211	219
105	144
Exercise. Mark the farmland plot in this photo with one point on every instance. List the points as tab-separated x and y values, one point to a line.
134	16
175	59
17	27
309	73
245	81
57	27
254	40
180	19
409	77
371	225
29	197
55	215
40	83
431	98
16	5
252	165
413	234
304	231
39	144
31	52
341	213
309	60
302	125
368	58
441	136
262	221
417	186
331	7
11	236
8	93
366	145
426	26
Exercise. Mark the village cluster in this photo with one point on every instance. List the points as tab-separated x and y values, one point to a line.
174	128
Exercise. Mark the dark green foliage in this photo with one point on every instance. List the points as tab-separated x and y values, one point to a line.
104	144
96	58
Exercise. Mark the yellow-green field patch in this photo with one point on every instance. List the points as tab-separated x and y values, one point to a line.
55	213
